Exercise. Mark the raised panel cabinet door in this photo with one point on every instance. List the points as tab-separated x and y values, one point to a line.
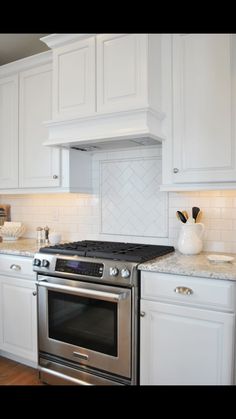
74	79
204	87
185	346
18	317
121	72
9	132
39	166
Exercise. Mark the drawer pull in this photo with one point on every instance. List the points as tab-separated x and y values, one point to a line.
183	290
15	267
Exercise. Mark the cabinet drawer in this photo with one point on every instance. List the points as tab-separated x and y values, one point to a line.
212	293
17	266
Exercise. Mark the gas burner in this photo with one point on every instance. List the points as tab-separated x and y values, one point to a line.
132	252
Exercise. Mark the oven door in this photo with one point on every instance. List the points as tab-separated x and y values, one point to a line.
89	324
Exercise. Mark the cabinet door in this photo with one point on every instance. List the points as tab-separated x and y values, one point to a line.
204	108
39	166
74	79
183	345
9	132
121	72
18	326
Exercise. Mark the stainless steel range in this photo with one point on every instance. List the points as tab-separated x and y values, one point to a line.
88	311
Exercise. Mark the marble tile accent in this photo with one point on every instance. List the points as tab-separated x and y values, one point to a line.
131	202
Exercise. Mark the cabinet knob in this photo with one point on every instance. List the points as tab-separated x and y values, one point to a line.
142	313
175	170
34	293
55	177
15	267
183	290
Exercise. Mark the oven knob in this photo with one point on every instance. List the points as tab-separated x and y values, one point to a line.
37	262
45	263
114	271
125	273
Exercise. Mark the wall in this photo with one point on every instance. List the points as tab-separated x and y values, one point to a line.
127	205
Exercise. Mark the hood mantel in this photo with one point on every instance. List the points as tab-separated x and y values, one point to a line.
106	90
107	131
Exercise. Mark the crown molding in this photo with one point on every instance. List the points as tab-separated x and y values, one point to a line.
26	63
56	40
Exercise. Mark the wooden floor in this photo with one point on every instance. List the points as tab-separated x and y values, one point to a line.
14	373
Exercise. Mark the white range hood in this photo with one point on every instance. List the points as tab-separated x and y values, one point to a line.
106	91
107	131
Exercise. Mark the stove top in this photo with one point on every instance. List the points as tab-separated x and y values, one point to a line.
131	252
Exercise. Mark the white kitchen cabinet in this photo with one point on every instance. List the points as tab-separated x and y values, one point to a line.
18	312
26	164
186	339
124	66
74	79
121	71
39	165
9	131
200	108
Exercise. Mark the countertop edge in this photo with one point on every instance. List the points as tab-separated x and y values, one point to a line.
192	265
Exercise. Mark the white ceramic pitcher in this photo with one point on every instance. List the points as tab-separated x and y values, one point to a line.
190	238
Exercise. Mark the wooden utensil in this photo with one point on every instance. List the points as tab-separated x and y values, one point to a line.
199	216
185	214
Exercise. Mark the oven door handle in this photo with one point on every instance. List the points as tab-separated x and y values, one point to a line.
89	293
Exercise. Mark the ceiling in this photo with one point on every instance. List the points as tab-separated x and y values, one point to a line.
14	46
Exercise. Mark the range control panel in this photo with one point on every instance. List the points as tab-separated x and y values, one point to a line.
79	267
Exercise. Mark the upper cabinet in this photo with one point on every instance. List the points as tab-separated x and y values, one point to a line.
9	131
74	79
26	165
105	87
42	168
200	108
121	72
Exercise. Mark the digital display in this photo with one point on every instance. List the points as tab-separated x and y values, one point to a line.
79	267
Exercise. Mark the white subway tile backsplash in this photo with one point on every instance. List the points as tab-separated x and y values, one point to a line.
227	236
178	202
218	246
212	213
218	215
221	202
198	202
127	205
213	235
221	224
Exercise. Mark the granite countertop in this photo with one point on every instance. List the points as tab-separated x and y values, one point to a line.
173	263
20	247
192	265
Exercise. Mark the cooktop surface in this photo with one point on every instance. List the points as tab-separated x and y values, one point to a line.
132	252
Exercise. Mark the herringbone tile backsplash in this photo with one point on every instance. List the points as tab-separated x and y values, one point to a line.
131	202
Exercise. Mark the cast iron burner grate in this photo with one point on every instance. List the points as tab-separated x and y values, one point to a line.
131	252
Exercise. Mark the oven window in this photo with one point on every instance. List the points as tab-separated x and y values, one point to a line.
85	322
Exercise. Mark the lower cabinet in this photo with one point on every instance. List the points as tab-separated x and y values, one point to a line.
186	342
18	318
